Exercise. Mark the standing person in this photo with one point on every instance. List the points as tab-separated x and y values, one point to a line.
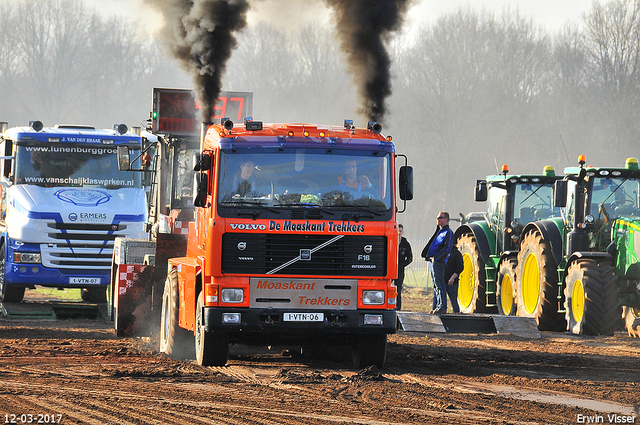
452	270
405	257
436	252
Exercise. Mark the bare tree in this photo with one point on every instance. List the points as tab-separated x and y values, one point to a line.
612	41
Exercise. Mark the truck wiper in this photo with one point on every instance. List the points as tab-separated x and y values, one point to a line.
359	208
307	205
252	204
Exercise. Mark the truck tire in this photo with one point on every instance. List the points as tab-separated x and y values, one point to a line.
174	340
505	287
8	294
471	282
591	298
370	350
537	283
631	317
212	348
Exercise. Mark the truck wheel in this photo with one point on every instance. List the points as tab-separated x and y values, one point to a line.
631	317
212	348
591	298
505	288
471	282
370	350
8	294
94	295
537	284
174	340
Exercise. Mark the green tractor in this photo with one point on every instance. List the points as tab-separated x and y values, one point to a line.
589	256
490	247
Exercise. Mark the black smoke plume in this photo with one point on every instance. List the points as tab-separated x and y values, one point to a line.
363	27
200	34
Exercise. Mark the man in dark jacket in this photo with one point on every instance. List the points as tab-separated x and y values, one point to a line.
452	270
437	252
405	257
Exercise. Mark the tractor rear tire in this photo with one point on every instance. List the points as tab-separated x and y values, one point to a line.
8	294
174	340
537	283
369	350
212	348
472	280
631	317
505	287
591	298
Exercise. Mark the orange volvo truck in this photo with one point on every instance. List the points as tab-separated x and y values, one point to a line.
294	242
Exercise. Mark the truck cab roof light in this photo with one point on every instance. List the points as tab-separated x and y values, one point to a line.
631	164
253	125
227	123
505	169
348	125
121	128
36	125
374	127
549	171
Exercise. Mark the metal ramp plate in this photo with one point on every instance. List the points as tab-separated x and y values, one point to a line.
27	311
519	326
419	322
467	323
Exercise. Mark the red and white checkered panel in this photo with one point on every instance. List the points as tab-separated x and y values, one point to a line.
181	227
127	275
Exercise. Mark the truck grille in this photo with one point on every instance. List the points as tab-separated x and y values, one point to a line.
76	245
304	255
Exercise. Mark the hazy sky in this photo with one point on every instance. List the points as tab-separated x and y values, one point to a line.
552	14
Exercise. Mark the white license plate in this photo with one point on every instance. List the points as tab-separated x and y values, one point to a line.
303	317
84	280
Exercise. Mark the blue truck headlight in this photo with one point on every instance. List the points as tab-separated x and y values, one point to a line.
232	295
27	257
373	297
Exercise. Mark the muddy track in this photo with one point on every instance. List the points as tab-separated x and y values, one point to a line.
80	370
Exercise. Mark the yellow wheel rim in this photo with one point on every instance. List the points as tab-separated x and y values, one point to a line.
531	283
506	294
466	282
577	301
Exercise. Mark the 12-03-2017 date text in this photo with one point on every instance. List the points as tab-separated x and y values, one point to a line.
29	418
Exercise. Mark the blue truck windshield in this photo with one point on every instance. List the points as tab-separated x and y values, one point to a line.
306	177
56	165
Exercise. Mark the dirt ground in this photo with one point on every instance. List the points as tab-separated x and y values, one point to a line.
76	371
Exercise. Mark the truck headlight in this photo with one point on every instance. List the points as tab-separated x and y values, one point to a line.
27	257
373	297
232	295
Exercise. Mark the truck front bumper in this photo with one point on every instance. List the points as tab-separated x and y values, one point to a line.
268	326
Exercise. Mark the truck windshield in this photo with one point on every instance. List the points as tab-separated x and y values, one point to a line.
75	165
614	197
306	178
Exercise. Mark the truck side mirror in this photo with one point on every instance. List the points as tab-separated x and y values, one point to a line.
202	185
560	193
202	162
480	193
406	183
124	158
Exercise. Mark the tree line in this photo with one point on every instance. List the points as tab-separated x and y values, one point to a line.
471	91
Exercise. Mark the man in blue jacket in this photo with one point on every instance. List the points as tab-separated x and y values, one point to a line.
437	252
